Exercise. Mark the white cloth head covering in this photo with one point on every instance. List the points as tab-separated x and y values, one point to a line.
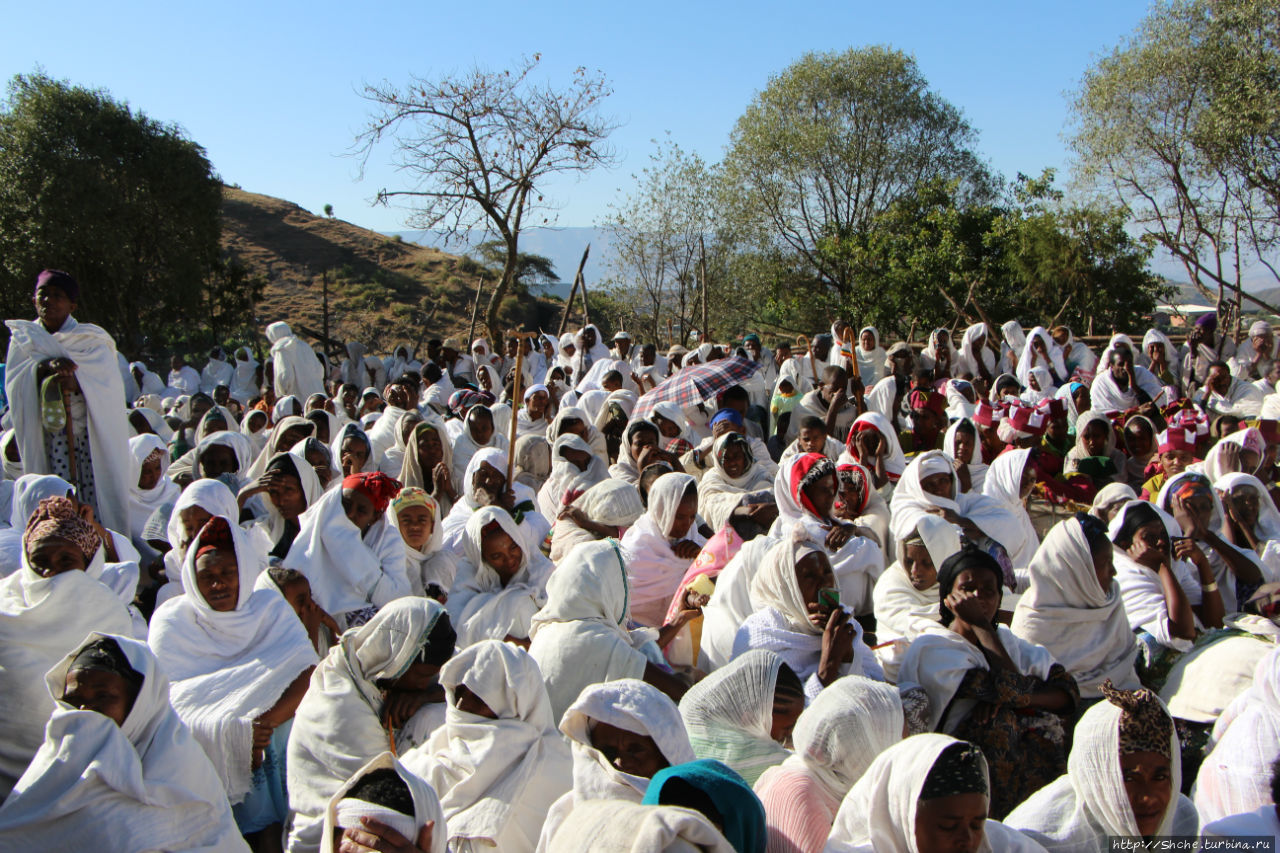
910	502
613	502
977	468
1024	359
627	827
654	568
143	502
566	476
1004	485
426	807
719	494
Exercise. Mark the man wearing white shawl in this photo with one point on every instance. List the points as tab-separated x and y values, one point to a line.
346	717
83	358
836	739
239	663
906	595
110	786
296	370
660	545
892	807
216	372
345	811
498	762
1123	779
621	733
1224	394
1074	608
1121	385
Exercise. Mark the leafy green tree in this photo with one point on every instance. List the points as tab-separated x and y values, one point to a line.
127	204
328	210
532	271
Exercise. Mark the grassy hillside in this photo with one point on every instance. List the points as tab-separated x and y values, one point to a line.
382	291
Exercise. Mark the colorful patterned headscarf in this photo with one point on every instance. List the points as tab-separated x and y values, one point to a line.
59	518
1145	726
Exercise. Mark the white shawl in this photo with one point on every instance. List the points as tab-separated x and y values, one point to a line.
144	502
1106	396
1025	357
719	494
566	476
652	566
244	383
1141	589
497	778
534	524
613	502
229	668
1003	485
297	370
465	447
618	826
910	503
95	785
977	468
434	565
98	373
426	806
965	364
902	611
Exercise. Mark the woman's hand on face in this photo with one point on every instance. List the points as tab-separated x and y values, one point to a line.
1186	548
686	550
1186	519
966	606
373	835
837	641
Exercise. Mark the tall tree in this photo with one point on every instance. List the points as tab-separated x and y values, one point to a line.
479	146
531	270
127	204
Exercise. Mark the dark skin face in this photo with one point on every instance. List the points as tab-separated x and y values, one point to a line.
1095	438
537	404
356	448
786	711
640	439
320	461
218	579
1175	462
1057	432
359	509
822	494
955	824
500	552
1150	545
628	752
939	485
257	421
735	461
1219	379
982	585
1245	505
918	565
53	307
489	479
580	459
966	443
668	427
96	690
418	676
814	574
813	440
686	514
150	474
54	555
193	519
1138	438
481	428
287	496
292	436
430	450
321	424
1148	780
468	702
867	341
218	460
140	424
416	525
1104	564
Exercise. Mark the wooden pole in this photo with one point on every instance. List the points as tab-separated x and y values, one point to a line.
475	310
71	438
702	273
577	279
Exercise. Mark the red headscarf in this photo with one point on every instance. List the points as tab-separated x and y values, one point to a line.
377	486
858	477
809	468
214	536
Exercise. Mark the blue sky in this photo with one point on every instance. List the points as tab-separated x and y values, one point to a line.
271	89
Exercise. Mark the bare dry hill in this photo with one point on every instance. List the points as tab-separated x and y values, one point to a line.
382	291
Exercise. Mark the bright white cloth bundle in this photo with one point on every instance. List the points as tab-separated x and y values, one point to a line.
95	785
580	636
613	502
1078	811
653	567
228	668
617	826
297	370
426	807
1066	611
98	373
1026	358
729	714
482	607
496	778
338	727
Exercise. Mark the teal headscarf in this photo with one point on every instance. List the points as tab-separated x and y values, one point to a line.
740	813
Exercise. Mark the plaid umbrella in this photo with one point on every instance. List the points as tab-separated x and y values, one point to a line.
696	384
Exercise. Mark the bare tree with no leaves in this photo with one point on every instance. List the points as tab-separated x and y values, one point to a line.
477	145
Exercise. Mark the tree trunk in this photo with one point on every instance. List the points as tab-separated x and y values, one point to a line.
495	299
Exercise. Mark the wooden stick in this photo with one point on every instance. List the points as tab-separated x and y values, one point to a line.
808	347
516	400
71	437
568	303
475	309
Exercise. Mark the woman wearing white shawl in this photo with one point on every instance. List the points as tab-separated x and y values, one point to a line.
427	448
238	671
200	501
883	811
155	424
527	424
638	434
44	614
472	440
974	359
284	434
244	381
1041	351
426	561
117	787
606	509
729	714
498	762
719	492
216	372
496	600
1009	482
1040	386
836	739
345	811
1094	801
938	355
906	595
98	420
1015	341
585	428
148	381
347	448
144	501
345	718
349	569
793	621
1171	367
890	449
297	371
1247	496
1074	608
533	524
254	427
605	772
660	545
972	447
568	476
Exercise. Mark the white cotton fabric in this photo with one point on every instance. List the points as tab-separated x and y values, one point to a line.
482	607
1267	529
275	444
244	383
729	715
903	612
297	370
580	636
465	447
616	826
143	502
1024	359
566	476
426	807
435	564
1141	589
1082	625
613	502
1078	811
937	662
338	727
911	502
28	491
98	373
1106	396
1225	578
977	468
229	668
347	571
594	438
214	498
965	363
95	785
372	462
496	778
1003	485
653	567
879	813
719	494
731	604
534	525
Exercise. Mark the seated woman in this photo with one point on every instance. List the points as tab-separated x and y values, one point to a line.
574	469
293	585
429	567
485	484
221	456
1108	501
353	558
285	434
198	503
743	713
1074	608
603	511
353	452
988	686
254	428
371	692
873	443
428	460
660	545
117	767
384	806
962	446
401	434
641	446
734	474
500	583
621	733
713	790
149	487
532	459
1122	780
316	453
240	663
1140	449
1009	483
805	493
799	617
291	487
571	419
46	609
836	739
906	595
498	762
928	793
859	504
1095	455
478	433
1251	522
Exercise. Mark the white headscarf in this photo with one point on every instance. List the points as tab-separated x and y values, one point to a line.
143	502
244	384
653	567
718	493
965	364
911	502
352	430
342	813
566	476
870	362
902	611
465	447
613	502
1003	485
977	468
1056	365
228	668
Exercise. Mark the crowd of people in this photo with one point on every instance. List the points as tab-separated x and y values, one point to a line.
999	592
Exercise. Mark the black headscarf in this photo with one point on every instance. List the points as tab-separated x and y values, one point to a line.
1133	515
105	655
968	557
959	769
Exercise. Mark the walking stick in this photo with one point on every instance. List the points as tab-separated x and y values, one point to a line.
813	367
516	400
71	437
